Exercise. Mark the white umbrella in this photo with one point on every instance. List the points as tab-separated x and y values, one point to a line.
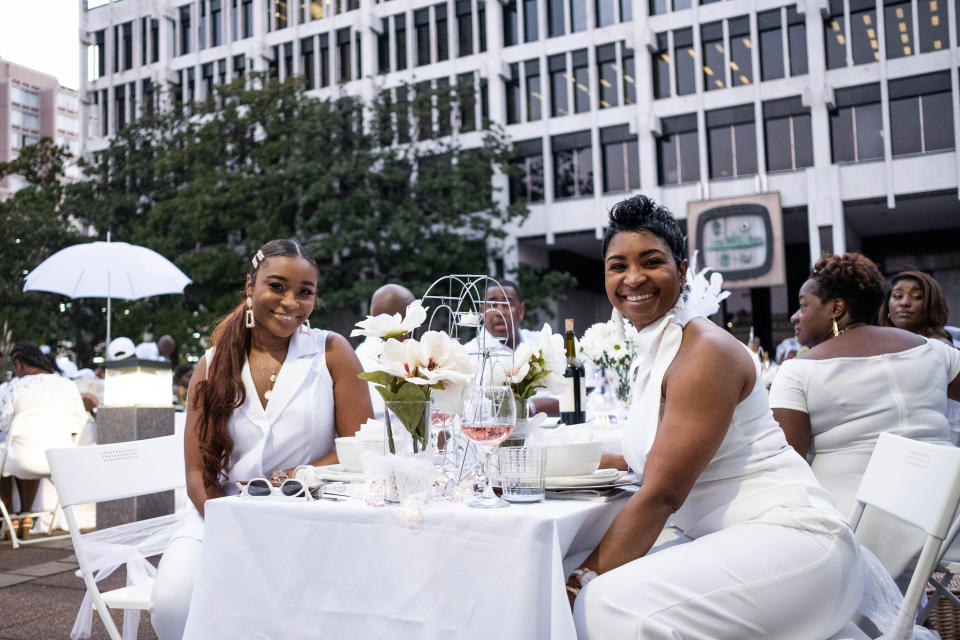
107	270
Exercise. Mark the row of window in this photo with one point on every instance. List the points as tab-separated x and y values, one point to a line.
23	97
562	17
24	120
431	35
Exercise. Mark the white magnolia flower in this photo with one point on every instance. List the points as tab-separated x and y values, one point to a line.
386	326
402	359
443	359
513	372
554	358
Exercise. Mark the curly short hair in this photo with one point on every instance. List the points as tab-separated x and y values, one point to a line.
854	278
640	213
935	308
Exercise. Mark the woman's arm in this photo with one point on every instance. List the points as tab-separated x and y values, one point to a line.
698	412
351	395
796	427
198	492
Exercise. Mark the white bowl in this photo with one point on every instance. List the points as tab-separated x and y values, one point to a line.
349	451
572	459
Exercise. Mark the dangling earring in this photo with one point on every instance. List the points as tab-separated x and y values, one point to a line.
249	314
836	329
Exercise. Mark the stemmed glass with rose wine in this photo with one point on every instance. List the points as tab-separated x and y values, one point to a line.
489	415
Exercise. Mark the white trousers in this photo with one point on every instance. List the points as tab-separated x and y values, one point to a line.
751	580
173	587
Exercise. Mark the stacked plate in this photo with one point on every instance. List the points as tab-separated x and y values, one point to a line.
599	479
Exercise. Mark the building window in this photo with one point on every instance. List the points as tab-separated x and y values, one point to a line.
99	62
127	30
279	11
116	49
771	45
797	41
481	27
534	91
898	25
559	98
143	40
921	114
24	98
581	81
741	64
626	10
247	15
234	21
287	59
621	159
464	28
572	165
306	63
120	106
856	124
714	60
732	142
685	62
467	98
184	29
512	91
834	36
786	125
607	72
510	23
400	35
216	32
324	60
527	183
678	151
657	7
357	44
932	15
530	19
343	55
604	12
554	18
202	26
443	38
629	73
206	79
421	23
578	15
239	66
863	31
661	67
383	47
444	107
26	120
423	110
403	115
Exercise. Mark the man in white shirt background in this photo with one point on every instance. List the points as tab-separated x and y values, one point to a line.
388	299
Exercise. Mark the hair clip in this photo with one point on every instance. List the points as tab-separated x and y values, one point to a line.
257	259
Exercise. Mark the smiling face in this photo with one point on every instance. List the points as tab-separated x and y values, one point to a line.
813	320
283	294
907	308
641	276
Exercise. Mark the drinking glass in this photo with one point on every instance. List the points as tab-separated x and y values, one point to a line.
522	473
489	415
441	427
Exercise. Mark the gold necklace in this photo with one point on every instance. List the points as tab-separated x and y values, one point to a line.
849	327
272	378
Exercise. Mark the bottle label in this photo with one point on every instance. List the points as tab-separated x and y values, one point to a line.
566	396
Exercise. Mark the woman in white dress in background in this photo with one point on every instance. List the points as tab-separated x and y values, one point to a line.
766	555
272	394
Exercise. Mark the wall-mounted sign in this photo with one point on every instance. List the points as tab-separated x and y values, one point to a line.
742	238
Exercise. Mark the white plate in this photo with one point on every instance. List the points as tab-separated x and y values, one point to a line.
337	473
600	477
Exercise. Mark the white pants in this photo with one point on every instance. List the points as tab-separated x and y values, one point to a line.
173	587
751	580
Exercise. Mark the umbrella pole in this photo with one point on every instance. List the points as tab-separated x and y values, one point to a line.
108	322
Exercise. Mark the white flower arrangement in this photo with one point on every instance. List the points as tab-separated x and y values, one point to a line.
537	368
607	349
386	326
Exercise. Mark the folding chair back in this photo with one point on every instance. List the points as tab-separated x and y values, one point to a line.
110	472
917	482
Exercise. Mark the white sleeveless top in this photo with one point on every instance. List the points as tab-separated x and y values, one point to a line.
754	475
297	426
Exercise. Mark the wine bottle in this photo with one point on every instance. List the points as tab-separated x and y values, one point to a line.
573	400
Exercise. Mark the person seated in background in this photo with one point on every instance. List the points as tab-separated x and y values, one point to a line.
271	394
389	299
501	334
167	348
35	387
857	381
182	374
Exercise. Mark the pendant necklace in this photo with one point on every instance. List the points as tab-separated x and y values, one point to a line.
272	378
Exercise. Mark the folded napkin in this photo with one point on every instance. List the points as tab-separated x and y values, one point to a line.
565	434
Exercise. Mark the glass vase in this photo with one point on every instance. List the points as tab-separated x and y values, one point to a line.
408	426
520	431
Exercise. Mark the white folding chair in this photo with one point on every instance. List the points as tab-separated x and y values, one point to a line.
919	483
110	472
31	433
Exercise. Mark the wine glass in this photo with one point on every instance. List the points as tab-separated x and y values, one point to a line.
489	415
441	425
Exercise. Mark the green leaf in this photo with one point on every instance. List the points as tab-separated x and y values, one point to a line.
381	378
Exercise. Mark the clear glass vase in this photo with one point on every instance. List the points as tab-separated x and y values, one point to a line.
520	431
408	426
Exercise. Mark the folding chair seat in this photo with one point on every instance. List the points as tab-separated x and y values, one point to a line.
24	456
109	472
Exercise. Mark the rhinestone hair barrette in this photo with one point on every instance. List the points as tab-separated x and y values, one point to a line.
257	259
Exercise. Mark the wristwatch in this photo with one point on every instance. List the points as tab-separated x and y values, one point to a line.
583	576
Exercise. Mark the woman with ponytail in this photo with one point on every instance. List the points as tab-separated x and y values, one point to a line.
269	395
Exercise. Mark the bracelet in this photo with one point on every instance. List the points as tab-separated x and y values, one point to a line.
583	576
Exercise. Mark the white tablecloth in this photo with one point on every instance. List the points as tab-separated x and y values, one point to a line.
345	570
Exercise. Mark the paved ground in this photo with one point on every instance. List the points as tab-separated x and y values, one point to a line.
40	595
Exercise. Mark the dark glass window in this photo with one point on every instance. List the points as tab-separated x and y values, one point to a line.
679	5
626	10
324	60
581	81
481	27
797	41
404	134
343	55
731	141
184	29
421	21
359	54
247	15
192	84
863	31
100	53
306	63
234	21
202	27
120	106
534	91
921	114
559	98
834	36
216	31
464	28
787	134
898	24
512	90
383	48
444	107
741	65
856	124
288	59
510	35
443	38
604	9
629	75
484	101
127	45
527	183
714	67
554	18
530	20
572	165
678	151
400	35
280	14
143	40
685	61
578	15
148	98
239	66
932	16
657	7
771	45
607	72
206	79
468	102
621	159
661	67
154	40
